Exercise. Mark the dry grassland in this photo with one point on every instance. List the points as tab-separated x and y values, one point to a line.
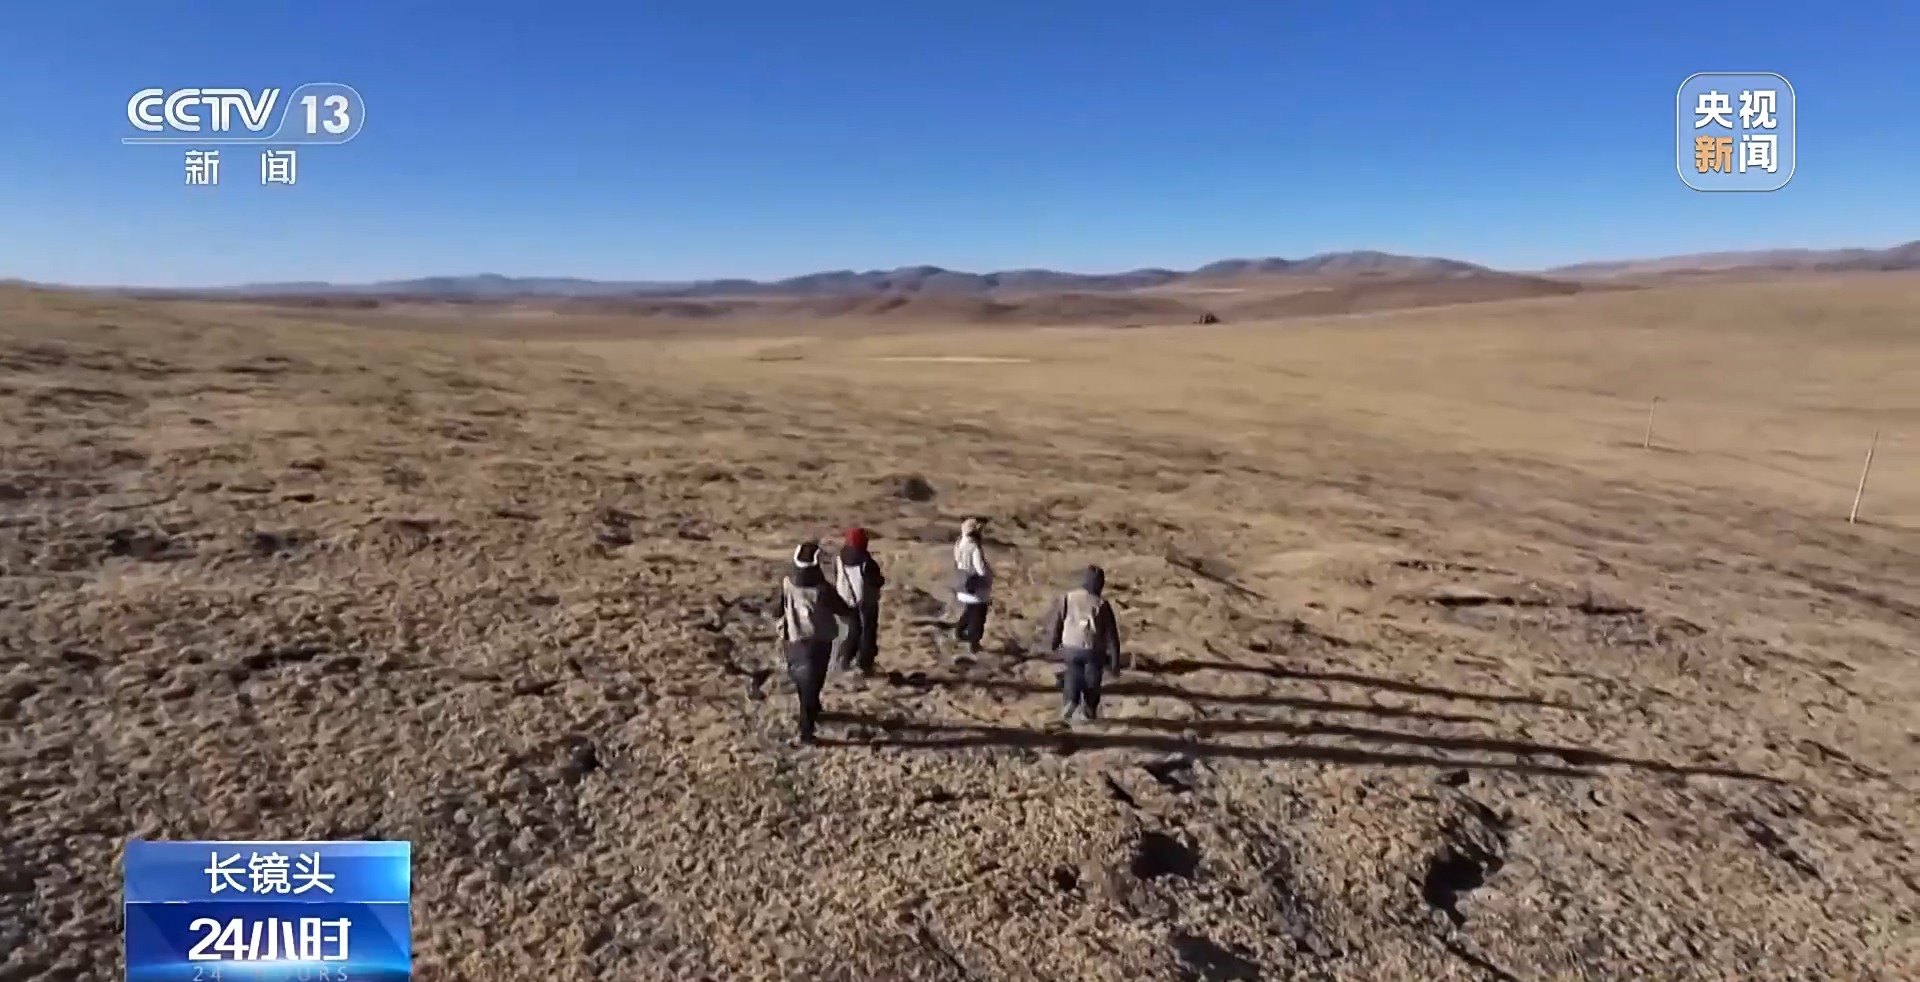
1441	675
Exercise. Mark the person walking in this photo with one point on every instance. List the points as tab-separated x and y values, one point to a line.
860	581
1081	630
972	584
809	620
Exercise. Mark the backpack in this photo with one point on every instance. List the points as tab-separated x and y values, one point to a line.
964	580
807	619
1081	626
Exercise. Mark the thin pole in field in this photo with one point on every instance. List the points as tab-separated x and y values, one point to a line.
1865	469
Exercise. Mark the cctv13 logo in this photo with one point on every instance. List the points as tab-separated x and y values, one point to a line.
317	112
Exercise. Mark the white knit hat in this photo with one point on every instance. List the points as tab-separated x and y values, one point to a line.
806	555
970	526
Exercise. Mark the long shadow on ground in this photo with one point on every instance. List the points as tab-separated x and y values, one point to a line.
903	735
941	736
1126	686
947	737
1188	666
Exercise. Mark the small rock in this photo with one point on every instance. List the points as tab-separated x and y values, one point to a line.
1065	878
269	543
913	487
143	546
583	757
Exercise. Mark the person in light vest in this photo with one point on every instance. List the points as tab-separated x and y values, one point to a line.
1081	631
810	612
860	581
972	585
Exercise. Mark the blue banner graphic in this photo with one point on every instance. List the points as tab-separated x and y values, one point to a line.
268	911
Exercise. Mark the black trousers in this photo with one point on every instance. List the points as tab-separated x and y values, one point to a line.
1080	682
807	667
972	625
861	645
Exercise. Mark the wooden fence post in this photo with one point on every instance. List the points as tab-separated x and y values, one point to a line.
1865	469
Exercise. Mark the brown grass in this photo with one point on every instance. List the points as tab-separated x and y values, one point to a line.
1442	676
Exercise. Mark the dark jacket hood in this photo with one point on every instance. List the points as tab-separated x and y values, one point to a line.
852	555
1093	580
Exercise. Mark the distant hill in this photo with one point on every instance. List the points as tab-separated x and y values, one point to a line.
1234	289
1896	258
483	286
1319	271
1365	292
907	280
1338	264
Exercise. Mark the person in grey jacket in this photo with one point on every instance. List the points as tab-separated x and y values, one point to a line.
1080	629
810	612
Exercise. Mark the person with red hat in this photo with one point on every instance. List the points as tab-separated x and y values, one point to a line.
859	581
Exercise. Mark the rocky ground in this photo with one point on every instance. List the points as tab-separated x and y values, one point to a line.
1399	713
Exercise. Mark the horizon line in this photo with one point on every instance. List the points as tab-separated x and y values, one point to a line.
1520	271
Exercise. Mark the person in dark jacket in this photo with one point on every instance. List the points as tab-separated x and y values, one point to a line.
859	582
810	612
1081	631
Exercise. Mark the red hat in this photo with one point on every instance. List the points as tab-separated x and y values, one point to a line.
857	537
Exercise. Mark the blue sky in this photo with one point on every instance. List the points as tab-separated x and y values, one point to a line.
654	140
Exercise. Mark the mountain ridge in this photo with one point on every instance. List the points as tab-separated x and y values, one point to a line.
919	279
938	281
1905	256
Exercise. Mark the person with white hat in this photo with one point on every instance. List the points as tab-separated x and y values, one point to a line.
810	612
972	584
